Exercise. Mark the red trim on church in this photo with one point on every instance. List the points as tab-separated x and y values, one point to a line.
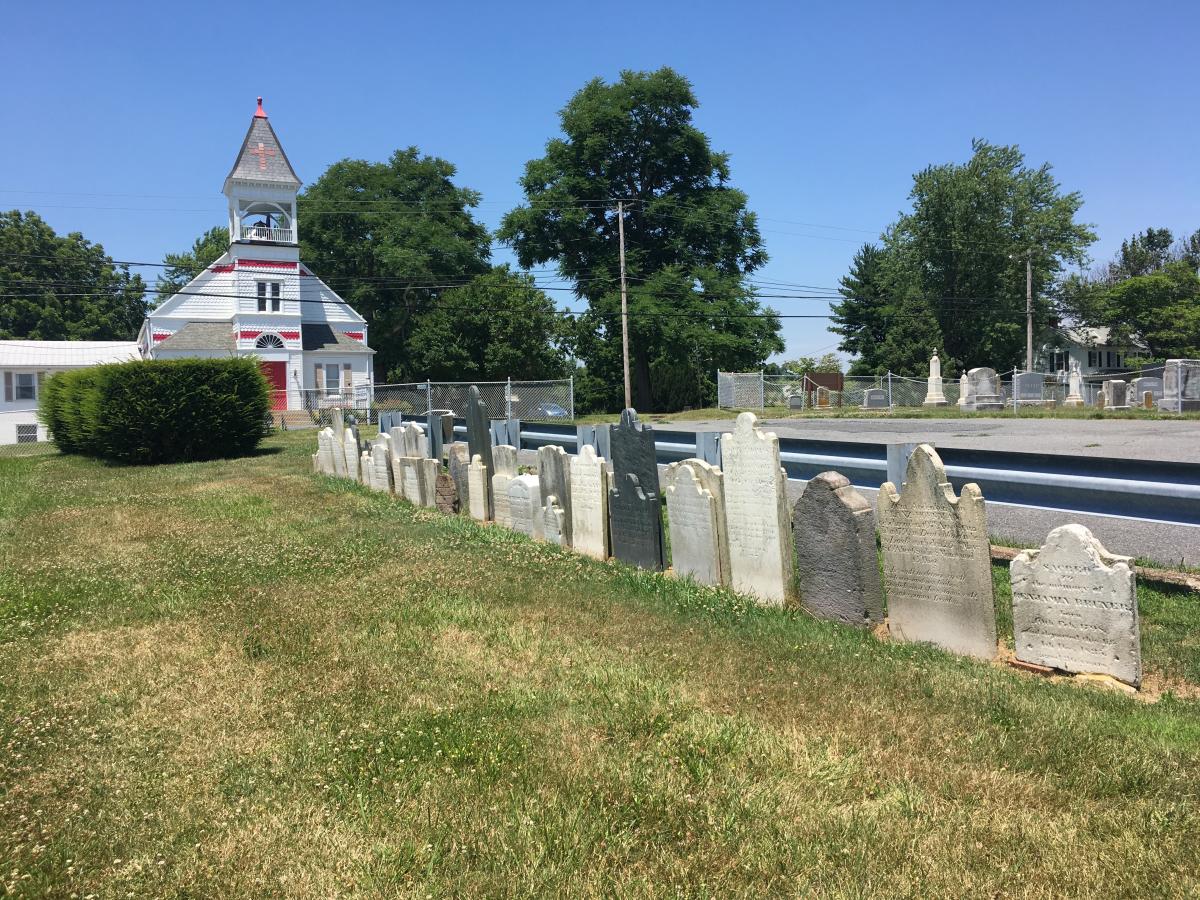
161	335
354	335
221	270
248	335
290	335
266	264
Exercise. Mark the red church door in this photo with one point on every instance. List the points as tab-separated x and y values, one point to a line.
276	375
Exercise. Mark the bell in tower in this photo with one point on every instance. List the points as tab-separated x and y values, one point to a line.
262	188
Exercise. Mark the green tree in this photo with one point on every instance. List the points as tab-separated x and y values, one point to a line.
497	326
690	243
63	288
957	261
183	267
862	317
392	238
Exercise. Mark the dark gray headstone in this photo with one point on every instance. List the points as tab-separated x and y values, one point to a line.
635	523
445	494
554	476
434	431
875	398
479	440
632	447
1027	386
459	461
837	571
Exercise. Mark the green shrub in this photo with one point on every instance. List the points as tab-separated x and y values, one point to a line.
153	411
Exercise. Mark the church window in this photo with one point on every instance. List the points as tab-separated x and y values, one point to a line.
269	342
268	293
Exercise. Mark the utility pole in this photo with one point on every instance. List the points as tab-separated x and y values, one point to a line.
1029	311
625	305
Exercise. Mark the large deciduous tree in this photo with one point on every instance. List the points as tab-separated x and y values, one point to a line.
391	238
497	326
952	271
63	288
180	268
690	243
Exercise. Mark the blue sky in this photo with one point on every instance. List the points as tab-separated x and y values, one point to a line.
121	120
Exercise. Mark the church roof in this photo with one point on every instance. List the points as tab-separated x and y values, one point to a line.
200	336
261	158
315	336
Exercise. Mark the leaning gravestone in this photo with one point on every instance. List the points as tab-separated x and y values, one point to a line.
695	517
505	458
837	569
937	560
458	463
478	488
589	503
1075	607
756	511
479	440
554	475
634	504
984	390
445	494
525	505
553	519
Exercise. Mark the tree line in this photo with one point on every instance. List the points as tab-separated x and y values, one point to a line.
400	242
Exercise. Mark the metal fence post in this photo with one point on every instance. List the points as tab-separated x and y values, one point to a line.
889	387
762	389
428	396
571	396
508	398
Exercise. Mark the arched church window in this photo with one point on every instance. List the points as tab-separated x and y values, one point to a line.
269	342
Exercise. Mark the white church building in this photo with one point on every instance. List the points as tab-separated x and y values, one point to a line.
260	300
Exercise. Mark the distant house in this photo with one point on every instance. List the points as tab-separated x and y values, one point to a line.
1091	348
24	366
258	299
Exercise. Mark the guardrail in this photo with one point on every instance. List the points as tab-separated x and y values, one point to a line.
1167	492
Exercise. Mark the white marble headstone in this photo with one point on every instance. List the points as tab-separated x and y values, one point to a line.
589	503
477	491
695	516
525	505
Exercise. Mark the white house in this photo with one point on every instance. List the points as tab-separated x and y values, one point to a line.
1091	348
24	366
260	300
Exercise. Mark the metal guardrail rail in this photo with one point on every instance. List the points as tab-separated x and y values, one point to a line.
1167	492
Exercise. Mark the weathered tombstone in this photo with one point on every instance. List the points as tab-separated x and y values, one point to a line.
695	516
756	510
875	398
326	445
380	461
337	423
634	504
1074	386
554	475
1148	400
458	462
1075	607
338	451
414	442
1181	386
796	401
525	505
822	397
1116	394
937	560
479	441
479	488
505	458
964	392
446	494
935	394
351	453
433	431
412	486
837	569
553	520
364	468
1139	386
589	503
1027	387
984	390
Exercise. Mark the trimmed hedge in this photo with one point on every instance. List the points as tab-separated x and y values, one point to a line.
158	410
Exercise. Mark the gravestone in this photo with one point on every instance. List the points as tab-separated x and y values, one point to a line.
505	458
326	444
937	560
875	398
822	398
434	432
525	505
695	516
418	480
1139	386
478	489
935	394
984	390
1181	386
364	468
409	440
634	504
1148	400
1116	394
445	494
380	462
756	512
837	569
338	451
554	475
337	422
1074	386
964	392
796	401
479	441
1075	607
589	503
553	520
1027	387
458	463
351	453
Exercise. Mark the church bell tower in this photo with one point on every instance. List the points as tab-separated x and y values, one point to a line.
261	189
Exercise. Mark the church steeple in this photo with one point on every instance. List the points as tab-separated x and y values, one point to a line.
262	187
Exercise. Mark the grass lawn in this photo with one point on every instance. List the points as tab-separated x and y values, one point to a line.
238	679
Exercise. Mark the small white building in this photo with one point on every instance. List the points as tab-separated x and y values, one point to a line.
260	300
25	365
1092	348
